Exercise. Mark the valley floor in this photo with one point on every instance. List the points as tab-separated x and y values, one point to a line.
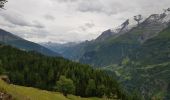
28	93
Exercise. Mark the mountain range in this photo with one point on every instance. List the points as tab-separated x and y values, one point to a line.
137	52
114	44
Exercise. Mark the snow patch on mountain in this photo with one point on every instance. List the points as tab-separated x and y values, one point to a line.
126	26
150	26
167	18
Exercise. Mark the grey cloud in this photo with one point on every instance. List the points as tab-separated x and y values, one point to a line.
8	25
37	24
90	25
66	0
17	19
98	6
87	26
104	14
49	17
31	33
88	5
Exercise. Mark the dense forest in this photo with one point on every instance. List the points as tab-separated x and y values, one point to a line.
36	70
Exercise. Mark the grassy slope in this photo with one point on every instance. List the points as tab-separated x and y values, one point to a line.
28	93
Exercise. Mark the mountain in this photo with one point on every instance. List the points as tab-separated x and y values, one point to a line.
36	70
144	62
58	47
13	40
147	68
116	32
72	51
139	55
115	44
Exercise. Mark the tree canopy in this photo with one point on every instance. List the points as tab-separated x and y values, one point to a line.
65	85
2	3
36	70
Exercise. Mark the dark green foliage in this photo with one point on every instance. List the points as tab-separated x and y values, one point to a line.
35	70
2	3
168	93
91	87
66	86
1	69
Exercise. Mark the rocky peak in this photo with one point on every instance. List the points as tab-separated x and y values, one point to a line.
106	34
150	26
116	32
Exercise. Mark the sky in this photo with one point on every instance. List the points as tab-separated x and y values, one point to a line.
64	21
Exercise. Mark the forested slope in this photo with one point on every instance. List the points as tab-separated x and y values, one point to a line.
35	70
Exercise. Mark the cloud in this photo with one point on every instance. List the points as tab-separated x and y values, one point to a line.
15	19
49	17
109	7
87	26
71	20
37	24
90	25
89	5
66	0
19	20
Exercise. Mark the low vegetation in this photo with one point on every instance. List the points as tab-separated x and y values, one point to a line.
28	93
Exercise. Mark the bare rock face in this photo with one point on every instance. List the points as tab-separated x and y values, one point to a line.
105	35
151	27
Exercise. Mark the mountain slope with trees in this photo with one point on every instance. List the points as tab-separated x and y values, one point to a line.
113	45
147	69
139	58
35	70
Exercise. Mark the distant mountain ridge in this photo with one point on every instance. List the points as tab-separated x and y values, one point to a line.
13	40
115	44
116	47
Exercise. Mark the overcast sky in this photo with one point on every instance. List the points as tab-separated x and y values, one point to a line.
71	20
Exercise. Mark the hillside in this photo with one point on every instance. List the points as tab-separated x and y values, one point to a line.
155	50
28	93
35	70
147	69
15	41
